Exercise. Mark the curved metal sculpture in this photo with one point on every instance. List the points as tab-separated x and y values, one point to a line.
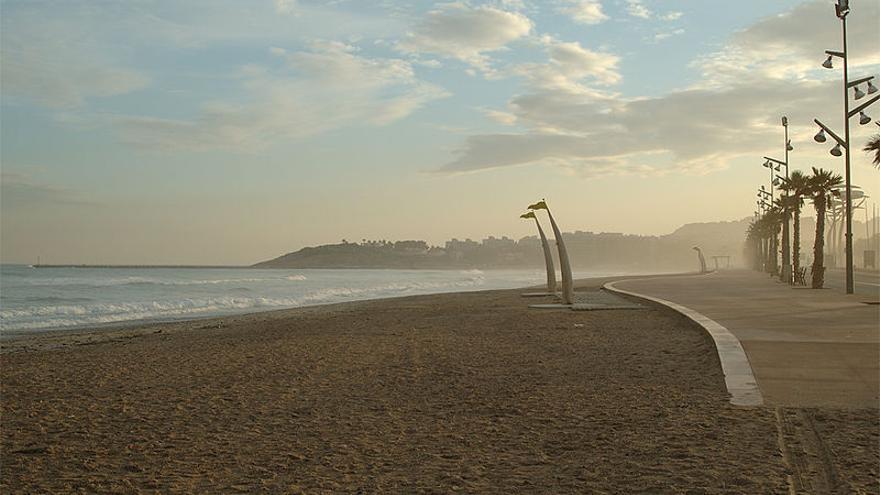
703	268
564	265
548	255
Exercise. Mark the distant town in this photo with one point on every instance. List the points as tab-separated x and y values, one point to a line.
721	241
588	250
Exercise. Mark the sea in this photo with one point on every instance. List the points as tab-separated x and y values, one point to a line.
50	298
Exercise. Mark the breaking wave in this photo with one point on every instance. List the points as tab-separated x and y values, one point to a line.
43	300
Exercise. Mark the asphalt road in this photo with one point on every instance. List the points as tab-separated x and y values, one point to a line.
866	283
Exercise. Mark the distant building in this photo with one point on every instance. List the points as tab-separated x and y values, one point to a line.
492	242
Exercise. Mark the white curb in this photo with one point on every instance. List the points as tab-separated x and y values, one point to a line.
738	376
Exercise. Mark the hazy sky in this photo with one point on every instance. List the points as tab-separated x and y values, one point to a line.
231	131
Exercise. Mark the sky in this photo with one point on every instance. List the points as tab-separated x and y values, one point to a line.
233	131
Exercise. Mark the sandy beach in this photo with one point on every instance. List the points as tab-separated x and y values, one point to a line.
466	392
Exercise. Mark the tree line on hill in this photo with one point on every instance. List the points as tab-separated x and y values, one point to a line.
587	250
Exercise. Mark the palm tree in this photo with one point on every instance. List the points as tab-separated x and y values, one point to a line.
874	146
774	222
797	187
821	183
786	206
755	243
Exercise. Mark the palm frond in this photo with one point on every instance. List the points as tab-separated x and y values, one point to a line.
873	146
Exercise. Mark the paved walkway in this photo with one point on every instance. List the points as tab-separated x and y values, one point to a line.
806	347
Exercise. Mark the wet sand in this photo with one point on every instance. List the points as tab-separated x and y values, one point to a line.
469	392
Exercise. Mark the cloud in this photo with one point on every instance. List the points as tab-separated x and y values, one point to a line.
327	87
285	6
694	129
569	65
466	33
585	11
59	65
668	34
635	8
732	112
791	45
505	118
22	191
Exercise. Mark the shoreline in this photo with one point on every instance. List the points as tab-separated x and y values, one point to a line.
145	325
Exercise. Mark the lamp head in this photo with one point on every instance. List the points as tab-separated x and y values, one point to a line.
836	150
871	88
841	8
828	63
820	136
863	119
788	146
858	94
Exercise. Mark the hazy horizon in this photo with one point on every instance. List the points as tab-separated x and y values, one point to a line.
219	133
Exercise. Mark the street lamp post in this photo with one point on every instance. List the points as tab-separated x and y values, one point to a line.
774	164
842	10
766	244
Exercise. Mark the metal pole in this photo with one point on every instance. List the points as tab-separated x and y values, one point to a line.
786	231
848	212
867	237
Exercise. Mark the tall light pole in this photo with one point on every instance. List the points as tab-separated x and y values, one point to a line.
841	9
548	255
766	244
771	164
774	164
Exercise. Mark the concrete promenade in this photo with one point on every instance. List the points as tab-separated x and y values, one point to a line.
806	347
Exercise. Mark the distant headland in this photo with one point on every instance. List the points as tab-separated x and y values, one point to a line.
587	250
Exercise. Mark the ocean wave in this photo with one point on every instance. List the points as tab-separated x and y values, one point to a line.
79	315
138	281
111	305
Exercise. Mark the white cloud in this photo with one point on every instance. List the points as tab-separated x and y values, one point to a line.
430	63
23	191
285	6
694	129
636	8
328	87
505	118
791	45
466	33
671	16
569	66
668	34
585	11
767	70
59	65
